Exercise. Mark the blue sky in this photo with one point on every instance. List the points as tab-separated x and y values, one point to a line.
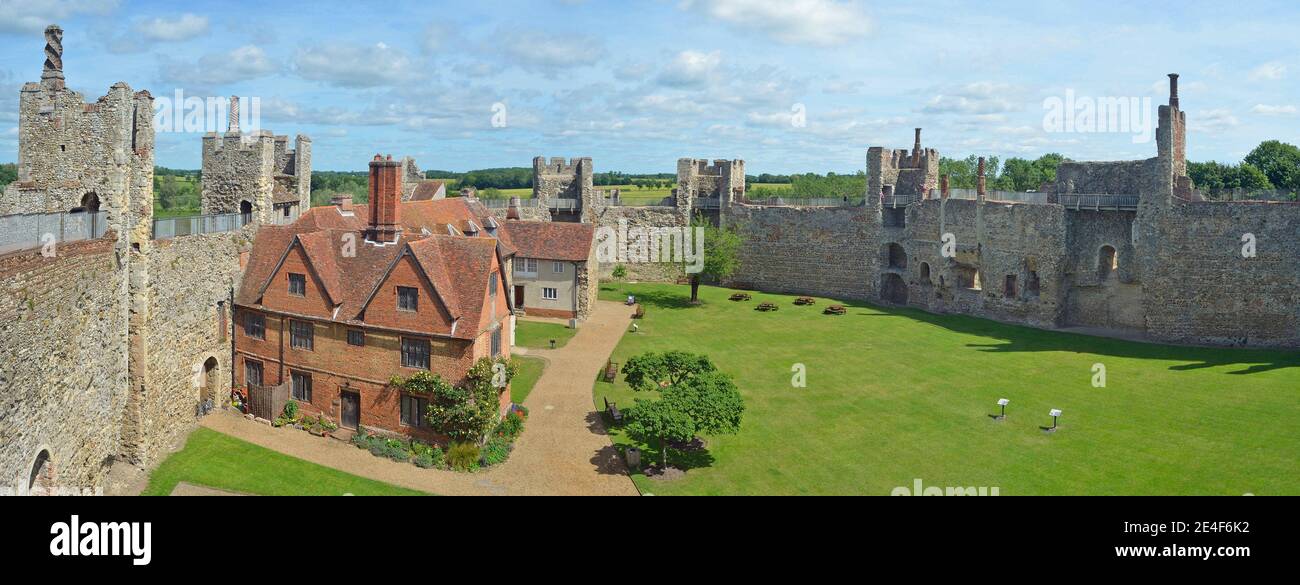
639	84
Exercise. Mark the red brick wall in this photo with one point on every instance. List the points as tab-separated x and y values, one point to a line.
277	292
382	310
554	313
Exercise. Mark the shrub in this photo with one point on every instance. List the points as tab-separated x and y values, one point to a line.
495	451
377	445
463	456
291	410
430	458
360	439
510	426
395	450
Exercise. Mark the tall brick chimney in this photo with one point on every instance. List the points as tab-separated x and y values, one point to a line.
943	187
52	74
1173	90
979	181
385	196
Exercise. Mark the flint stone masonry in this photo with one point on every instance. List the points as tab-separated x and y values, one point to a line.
258	170
109	337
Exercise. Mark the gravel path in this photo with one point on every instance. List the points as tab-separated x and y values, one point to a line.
564	449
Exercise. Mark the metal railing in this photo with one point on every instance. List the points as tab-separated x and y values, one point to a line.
640	201
564	203
706	203
172	227
898	200
1016	197
854	201
1098	202
505	203
33	230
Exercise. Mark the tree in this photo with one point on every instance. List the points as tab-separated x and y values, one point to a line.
697	398
721	253
712	402
649	371
661	421
1279	161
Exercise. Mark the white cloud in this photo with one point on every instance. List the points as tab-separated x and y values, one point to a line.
983	98
28	16
241	64
690	69
549	54
1268	110
1212	121
1268	72
354	65
822	23
180	28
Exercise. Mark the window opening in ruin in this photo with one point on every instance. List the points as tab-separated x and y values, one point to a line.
925	272
246	211
897	256
1009	287
41	472
1107	262
1031	287
221	320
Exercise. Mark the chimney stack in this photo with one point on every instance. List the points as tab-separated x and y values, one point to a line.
943	187
980	180
52	75
385	195
1173	90
512	212
916	149
233	119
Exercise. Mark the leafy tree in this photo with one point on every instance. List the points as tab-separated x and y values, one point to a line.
1279	161
721	253
649	370
659	421
711	400
1214	176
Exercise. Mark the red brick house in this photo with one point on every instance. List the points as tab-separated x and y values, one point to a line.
345	298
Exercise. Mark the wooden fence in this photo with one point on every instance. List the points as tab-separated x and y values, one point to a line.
267	401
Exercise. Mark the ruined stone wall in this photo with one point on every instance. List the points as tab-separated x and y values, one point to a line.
238	168
63	327
816	251
188	321
621	220
1097	297
1200	289
1130	177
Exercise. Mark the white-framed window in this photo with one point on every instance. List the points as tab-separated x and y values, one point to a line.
557	267
526	265
550	294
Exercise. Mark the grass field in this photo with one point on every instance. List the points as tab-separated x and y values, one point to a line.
895	395
221	461
530	369
538	334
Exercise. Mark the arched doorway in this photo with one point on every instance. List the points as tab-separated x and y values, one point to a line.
90	207
246	211
1107	262
925	273
211	379
893	289
41	479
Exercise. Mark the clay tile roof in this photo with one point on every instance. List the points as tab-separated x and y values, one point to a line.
551	240
426	190
466	263
322	248
269	246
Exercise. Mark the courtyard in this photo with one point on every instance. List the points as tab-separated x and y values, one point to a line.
898	395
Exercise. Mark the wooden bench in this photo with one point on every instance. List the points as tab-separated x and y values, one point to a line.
611	370
612	409
640	311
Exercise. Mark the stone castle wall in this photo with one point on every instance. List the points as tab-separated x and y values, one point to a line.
63	324
821	251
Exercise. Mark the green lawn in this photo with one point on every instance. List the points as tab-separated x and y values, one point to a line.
530	369
221	461
895	395
538	334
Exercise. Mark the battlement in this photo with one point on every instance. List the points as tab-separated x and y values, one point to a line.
559	166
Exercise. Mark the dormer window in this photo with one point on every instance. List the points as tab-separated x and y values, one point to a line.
471	229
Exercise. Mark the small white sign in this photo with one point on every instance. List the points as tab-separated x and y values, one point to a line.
1055	412
1003	402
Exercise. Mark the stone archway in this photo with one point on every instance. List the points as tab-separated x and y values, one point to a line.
246	211
41	478
893	289
211	380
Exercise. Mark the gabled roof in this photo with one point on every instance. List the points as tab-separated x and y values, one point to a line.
549	240
427	189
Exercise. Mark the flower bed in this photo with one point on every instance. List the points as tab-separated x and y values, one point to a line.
462	456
